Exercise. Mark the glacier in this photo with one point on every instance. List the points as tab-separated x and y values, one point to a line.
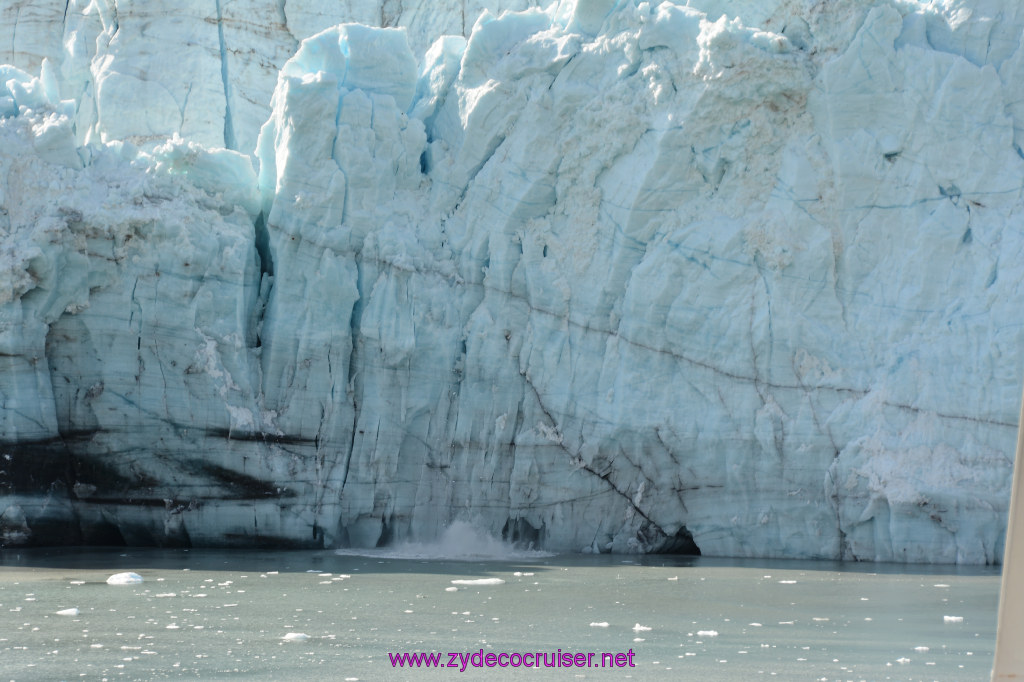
734	278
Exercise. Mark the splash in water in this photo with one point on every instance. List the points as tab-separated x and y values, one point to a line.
461	541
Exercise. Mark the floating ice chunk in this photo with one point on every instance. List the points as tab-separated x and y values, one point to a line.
921	648
295	637
451	589
755	625
707	633
675	577
127	578
952	619
73	611
641	628
787	582
480	581
602	624
77	582
902	660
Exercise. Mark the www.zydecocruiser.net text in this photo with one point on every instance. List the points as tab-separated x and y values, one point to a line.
462	660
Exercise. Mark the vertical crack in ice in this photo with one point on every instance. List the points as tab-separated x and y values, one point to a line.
184	105
14	32
678	466
832	490
389	16
131	313
837	275
756	379
759	262
262	244
284	23
229	130
353	374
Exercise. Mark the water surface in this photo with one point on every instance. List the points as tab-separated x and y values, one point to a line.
226	614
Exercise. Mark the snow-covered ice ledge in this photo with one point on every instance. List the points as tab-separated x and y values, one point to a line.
605	276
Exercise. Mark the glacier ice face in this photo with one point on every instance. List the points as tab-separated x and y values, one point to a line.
604	276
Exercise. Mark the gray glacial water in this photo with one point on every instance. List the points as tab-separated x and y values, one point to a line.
329	615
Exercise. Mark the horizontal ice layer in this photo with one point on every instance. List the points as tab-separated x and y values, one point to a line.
607	276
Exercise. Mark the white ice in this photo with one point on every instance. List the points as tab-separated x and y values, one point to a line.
598	276
128	578
478	581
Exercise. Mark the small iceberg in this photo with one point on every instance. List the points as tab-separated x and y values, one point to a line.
73	611
480	581
127	578
295	637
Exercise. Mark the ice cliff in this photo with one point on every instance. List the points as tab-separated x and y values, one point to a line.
601	276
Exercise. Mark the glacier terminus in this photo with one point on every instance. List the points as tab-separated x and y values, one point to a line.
737	278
